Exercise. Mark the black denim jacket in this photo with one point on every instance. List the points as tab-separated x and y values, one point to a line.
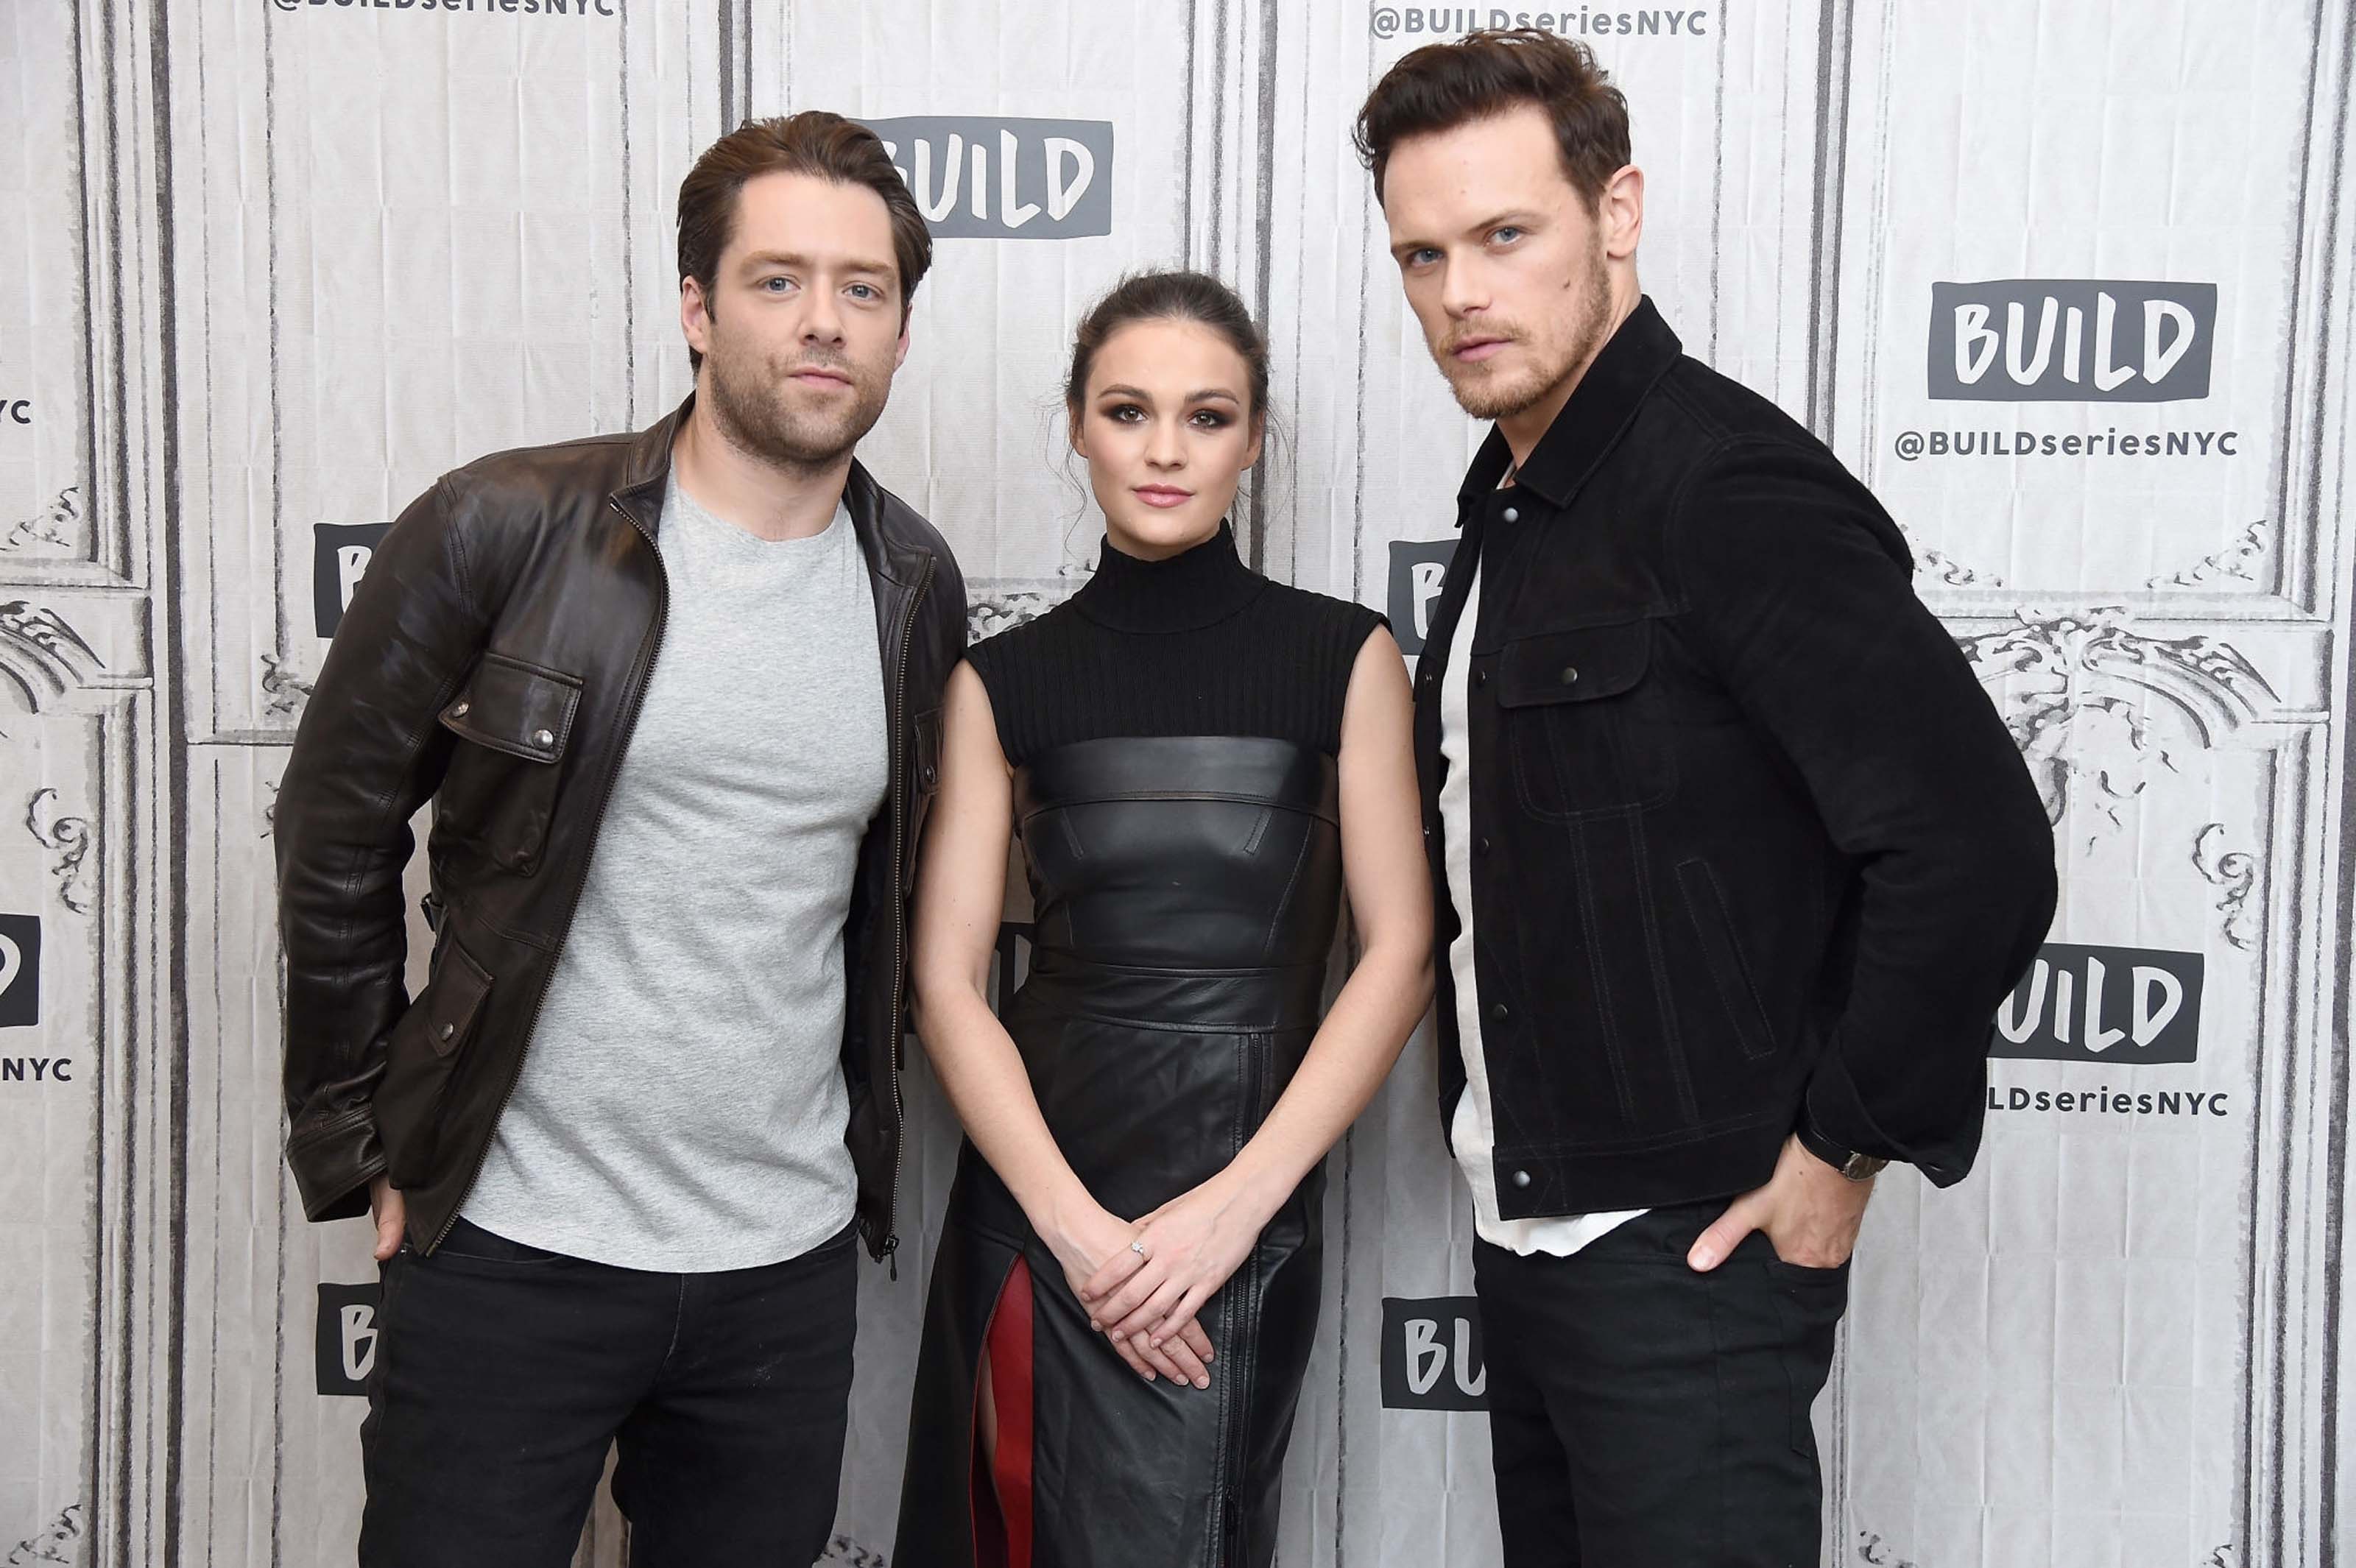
1750	842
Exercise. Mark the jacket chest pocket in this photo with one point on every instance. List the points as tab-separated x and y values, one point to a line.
1568	723
514	723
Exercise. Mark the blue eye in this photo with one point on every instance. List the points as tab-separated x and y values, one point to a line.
1422	257
866	291
1506	235
777	285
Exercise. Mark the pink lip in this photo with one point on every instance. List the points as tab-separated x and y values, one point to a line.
812	373
1161	496
1481	347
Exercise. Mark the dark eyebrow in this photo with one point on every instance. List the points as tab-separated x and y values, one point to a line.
1145	396
787	259
1511	220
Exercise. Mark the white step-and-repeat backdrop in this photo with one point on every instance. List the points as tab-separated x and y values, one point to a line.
2068	285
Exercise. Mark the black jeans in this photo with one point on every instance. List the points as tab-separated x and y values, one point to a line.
1642	1413
504	1373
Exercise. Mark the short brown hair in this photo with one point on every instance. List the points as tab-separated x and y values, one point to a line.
1442	86
1170	295
813	142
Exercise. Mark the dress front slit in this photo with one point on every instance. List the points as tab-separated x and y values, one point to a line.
1009	1341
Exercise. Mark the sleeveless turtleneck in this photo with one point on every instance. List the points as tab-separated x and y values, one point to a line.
1184	593
1197	643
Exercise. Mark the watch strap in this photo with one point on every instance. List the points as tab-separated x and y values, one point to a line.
1823	1148
1847	1161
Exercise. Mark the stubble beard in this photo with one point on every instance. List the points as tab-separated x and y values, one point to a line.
751	411
1487	395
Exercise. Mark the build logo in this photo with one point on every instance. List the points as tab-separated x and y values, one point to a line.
339	558
1004	180
1432	1354
347	1336
1418	567
2071	340
2123	1005
20	970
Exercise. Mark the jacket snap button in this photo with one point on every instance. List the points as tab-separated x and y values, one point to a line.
1480	678
1482	847
1511	515
544	738
1570	675
449	1030
1521	1178
459	711
1501	1012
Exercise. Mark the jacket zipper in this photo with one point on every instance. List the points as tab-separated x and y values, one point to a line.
901	734
647	651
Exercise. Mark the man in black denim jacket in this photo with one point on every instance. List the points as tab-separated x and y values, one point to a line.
1737	858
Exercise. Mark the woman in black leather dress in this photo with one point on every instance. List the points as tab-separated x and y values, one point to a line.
1196	760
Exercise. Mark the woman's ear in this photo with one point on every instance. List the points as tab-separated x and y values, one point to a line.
1073	425
1260	434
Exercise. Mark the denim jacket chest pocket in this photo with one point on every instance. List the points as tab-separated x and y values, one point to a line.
1572	720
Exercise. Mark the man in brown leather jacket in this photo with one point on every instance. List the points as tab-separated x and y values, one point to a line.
675	697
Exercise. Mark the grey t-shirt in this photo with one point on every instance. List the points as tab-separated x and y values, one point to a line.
682	1105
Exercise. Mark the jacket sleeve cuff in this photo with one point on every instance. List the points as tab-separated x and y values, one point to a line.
333	1159
1834	1110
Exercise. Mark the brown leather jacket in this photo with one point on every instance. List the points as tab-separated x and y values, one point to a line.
493	659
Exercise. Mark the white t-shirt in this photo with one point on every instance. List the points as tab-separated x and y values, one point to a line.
1474	1130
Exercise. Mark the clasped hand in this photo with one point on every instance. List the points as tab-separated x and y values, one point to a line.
1145	1303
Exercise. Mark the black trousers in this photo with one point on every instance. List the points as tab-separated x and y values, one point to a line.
503	1373
1640	1413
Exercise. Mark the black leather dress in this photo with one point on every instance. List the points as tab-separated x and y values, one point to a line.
1185	889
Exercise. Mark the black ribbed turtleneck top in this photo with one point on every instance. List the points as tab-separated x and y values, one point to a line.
1195	645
